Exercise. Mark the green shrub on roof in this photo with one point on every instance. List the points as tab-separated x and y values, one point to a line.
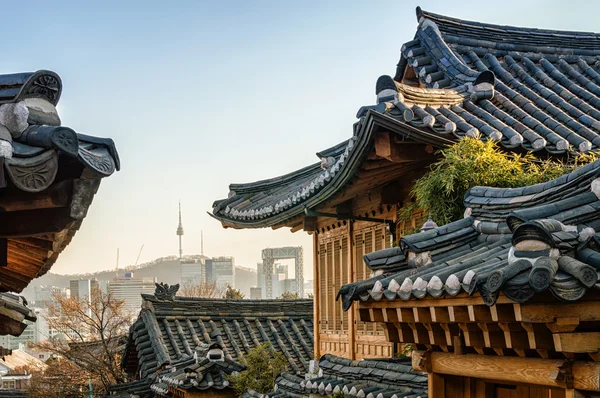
473	162
263	365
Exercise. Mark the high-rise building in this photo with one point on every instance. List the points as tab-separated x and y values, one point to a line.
223	271
281	269
192	273
270	267
81	288
255	293
280	273
208	277
130	289
44	294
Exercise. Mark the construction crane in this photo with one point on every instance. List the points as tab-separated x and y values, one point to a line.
117	267
138	257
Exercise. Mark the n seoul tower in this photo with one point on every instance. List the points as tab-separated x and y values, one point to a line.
180	233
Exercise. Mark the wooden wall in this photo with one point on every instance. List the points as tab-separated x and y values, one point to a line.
339	256
445	386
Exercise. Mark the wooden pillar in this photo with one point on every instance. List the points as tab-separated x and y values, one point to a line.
351	279
316	297
435	386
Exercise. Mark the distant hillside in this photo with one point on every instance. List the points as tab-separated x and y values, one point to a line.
165	269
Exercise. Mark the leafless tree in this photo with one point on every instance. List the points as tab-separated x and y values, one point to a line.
205	290
91	334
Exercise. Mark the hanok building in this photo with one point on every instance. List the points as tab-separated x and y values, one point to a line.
187	347
507	302
529	89
48	177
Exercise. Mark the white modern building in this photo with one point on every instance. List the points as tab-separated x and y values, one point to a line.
192	273
130	289
222	271
45	294
81	288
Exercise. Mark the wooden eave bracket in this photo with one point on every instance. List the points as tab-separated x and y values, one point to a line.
564	375
423	361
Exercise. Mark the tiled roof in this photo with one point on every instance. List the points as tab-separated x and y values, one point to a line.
41	168
530	89
198	372
171	340
19	358
519	241
4	393
376	378
287	196
134	389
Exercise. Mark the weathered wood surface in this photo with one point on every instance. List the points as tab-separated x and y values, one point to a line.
586	375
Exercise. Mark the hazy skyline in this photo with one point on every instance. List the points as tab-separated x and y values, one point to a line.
198	95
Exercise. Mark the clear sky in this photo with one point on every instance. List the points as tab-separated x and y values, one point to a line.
198	94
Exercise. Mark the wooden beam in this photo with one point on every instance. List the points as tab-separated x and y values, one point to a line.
493	336
56	195
513	370
297	227
309	224
395	192
577	342
34	222
3	252
514	335
458	314
586	311
563	325
384	147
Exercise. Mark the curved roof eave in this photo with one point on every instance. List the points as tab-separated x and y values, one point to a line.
362	144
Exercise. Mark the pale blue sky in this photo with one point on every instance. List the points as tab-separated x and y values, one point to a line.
200	94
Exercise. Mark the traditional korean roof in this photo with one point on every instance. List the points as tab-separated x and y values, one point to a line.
5	393
206	369
48	176
518	241
176	340
19	358
13	314
373	378
134	389
530	89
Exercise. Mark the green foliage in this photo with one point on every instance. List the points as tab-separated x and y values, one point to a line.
472	162
405	351
338	394
233	294
262	368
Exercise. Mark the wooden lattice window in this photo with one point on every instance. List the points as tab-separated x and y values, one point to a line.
322	287
330	289
345	278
